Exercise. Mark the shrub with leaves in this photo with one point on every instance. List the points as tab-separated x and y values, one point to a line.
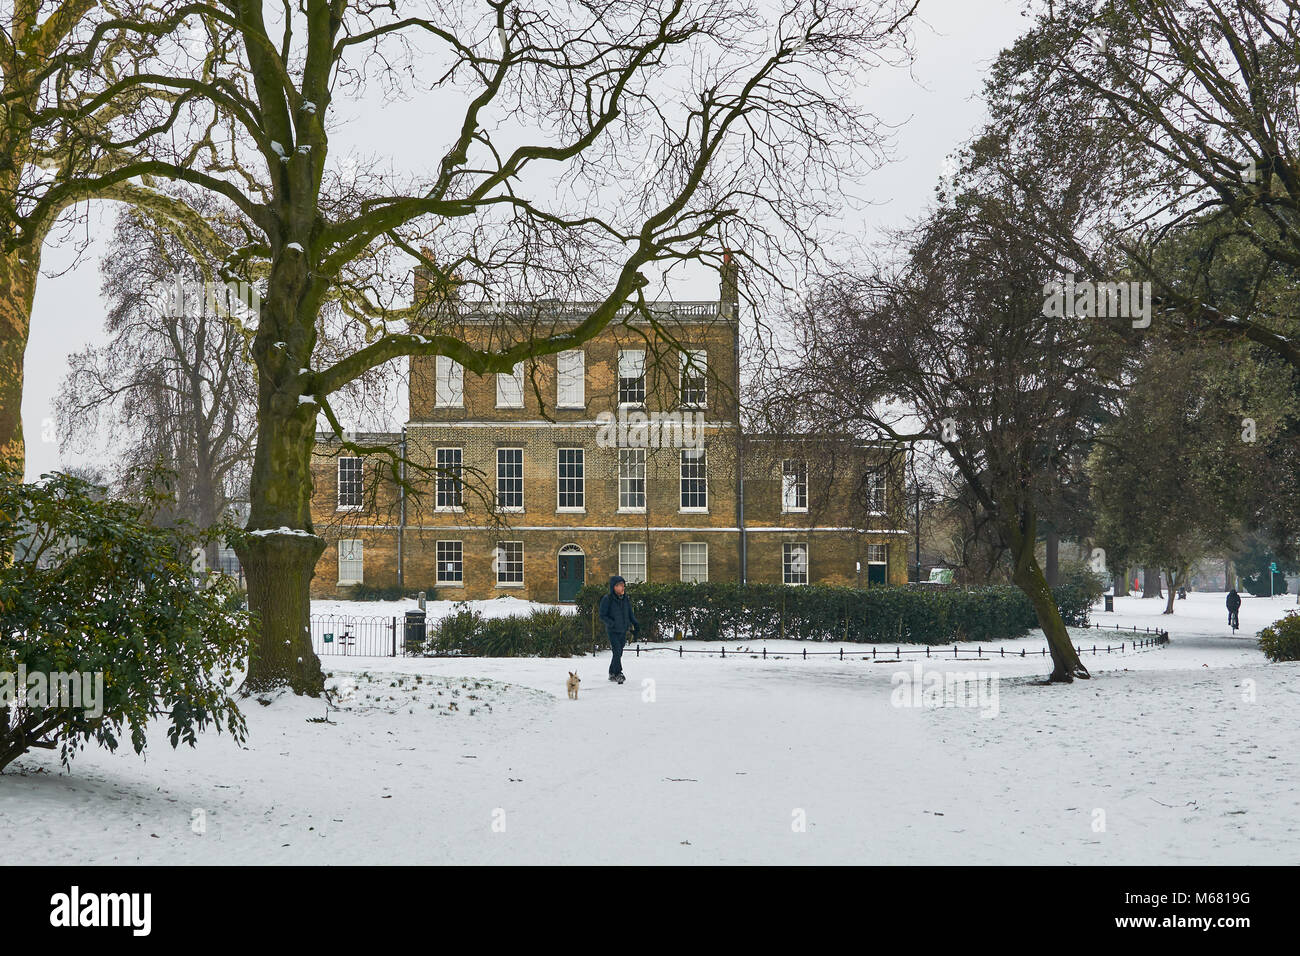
545	633
1280	641
89	586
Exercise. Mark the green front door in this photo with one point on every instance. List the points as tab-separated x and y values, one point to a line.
571	572
876	574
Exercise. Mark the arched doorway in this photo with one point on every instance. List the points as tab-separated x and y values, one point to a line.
570	572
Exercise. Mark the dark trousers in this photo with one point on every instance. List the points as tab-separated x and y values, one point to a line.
616	642
1233	620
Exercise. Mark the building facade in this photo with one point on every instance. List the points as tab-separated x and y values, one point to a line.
619	456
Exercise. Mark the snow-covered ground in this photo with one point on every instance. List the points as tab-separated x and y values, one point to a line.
1187	753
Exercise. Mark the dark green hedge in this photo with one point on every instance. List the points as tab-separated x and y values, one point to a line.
914	615
550	633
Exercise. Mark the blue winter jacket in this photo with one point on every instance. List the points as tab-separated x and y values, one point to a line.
616	611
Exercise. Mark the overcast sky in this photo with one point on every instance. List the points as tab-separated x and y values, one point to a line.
936	106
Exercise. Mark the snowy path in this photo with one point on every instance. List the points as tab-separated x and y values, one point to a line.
718	766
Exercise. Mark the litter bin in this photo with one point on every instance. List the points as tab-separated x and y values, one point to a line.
1110	602
415	632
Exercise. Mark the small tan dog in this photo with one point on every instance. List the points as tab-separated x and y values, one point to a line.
572	683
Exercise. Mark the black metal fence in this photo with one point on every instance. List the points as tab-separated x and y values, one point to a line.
355	636
351	636
894	654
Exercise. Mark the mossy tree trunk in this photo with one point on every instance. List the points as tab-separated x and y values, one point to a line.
17	290
280	551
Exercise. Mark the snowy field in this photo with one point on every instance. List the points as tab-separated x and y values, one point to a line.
1183	754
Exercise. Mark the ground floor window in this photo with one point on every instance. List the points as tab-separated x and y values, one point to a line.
794	563
695	561
451	562
631	561
509	561
351	563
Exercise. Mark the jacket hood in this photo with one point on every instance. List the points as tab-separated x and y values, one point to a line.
615	579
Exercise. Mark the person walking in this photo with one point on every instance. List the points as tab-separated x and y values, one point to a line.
618	617
1234	605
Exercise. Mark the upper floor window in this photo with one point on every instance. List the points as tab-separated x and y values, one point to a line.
449	383
875	493
570	486
794	485
510	479
631	479
695	480
570	390
350	484
631	376
448	461
510	388
694	379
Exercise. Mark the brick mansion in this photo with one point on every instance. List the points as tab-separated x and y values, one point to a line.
624	456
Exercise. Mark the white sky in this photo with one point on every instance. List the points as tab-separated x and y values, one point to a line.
936	108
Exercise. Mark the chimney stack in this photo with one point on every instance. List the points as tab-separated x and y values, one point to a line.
729	295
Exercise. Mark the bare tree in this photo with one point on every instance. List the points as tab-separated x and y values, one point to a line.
955	347
173	387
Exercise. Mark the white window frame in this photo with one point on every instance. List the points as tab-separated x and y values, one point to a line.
448	383
560	480
877	490
510	388
626	482
631	366
443	554
570	379
360	482
440	478
787	562
681	560
501	564
512	509
352	555
625	565
883	552
697	360
790	483
694	454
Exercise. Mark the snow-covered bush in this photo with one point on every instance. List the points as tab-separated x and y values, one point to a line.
1280	641
104	624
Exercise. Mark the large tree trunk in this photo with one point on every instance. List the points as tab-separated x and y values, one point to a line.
17	289
279	554
1121	583
1151	583
1029	577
